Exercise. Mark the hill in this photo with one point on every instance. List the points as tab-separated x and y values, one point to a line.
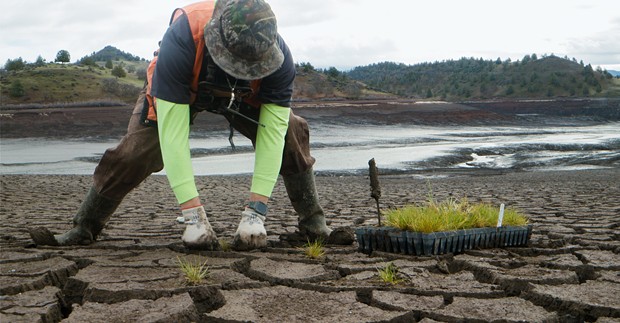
111	53
62	84
111	77
469	78
92	82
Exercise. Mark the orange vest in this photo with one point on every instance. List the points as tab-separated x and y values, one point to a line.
198	15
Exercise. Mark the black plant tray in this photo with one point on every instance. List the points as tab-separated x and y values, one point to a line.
394	240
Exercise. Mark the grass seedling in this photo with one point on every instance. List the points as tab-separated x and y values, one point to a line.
225	245
389	274
194	272
314	249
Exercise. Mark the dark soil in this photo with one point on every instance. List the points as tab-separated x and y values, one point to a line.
111	122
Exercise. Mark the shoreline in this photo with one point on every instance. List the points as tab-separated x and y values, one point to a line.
111	122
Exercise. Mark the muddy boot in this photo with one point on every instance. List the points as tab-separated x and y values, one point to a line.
88	223
305	200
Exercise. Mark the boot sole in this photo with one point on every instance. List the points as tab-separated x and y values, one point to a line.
43	236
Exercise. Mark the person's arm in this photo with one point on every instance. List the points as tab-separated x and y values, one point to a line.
269	148
173	129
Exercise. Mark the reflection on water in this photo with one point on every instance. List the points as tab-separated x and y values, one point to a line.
345	149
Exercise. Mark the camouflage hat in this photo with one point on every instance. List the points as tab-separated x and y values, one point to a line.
242	38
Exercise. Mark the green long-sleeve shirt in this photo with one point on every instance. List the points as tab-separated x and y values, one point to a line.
173	127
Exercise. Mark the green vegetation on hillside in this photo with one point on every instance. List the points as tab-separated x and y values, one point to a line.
83	82
470	78
113	76
55	83
312	84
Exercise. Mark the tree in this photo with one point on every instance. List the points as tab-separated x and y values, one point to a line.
333	72
14	64
307	67
40	61
119	71
526	59
108	64
141	74
62	56
88	61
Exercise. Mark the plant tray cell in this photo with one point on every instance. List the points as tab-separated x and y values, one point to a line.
393	240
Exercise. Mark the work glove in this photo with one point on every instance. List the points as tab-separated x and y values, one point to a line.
198	232
251	233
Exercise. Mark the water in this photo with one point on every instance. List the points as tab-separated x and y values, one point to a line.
347	149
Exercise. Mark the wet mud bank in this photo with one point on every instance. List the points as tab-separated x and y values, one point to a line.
111	122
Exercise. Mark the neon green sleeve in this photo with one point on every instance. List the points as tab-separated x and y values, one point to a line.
173	129
269	148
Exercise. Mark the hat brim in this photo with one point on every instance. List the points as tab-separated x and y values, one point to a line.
233	65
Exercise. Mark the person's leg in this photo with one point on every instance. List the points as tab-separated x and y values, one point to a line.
120	170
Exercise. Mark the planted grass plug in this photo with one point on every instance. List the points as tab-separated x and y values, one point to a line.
389	274
314	250
225	245
194	272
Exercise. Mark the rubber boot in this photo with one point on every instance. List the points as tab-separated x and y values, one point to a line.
305	200
89	221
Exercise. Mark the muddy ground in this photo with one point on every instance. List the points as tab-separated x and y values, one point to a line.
569	271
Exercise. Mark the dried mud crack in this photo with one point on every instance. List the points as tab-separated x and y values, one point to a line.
570	271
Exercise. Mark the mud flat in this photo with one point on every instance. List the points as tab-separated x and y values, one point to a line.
111	122
570	272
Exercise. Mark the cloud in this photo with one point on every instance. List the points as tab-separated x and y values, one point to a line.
344	33
344	53
602	48
82	27
289	14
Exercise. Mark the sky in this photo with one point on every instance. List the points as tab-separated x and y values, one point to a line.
336	33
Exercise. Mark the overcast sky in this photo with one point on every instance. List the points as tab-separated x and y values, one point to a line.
339	33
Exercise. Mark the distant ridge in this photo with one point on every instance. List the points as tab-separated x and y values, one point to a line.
471	79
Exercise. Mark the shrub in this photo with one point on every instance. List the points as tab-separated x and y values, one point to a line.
113	86
119	71
17	89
